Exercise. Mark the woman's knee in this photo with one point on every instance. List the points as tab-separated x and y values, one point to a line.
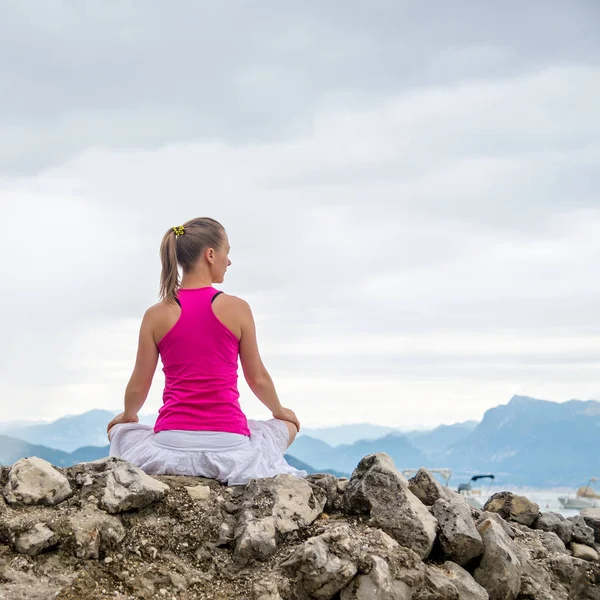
292	431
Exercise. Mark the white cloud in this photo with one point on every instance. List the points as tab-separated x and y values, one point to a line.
410	243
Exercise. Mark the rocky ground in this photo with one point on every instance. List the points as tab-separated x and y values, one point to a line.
106	530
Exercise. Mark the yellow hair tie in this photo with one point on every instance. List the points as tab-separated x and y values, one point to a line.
179	230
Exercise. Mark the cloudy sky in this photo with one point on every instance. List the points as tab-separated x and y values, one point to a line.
411	191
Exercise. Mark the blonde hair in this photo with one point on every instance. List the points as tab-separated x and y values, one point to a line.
184	249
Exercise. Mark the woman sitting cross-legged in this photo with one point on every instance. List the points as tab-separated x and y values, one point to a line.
199	333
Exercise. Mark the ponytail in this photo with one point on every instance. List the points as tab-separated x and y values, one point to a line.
182	246
169	276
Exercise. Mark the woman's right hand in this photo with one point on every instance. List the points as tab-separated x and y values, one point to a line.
287	414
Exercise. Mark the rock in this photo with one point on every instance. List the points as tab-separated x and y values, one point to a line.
377	584
556	523
323	564
256	540
551	542
383	568
380	490
437	586
468	588
91	531
329	484
592	519
458	536
128	487
35	540
270	507
586	580
426	487
584	552
562	567
266	591
513	507
198	492
582	532
496	517
500	570
35	481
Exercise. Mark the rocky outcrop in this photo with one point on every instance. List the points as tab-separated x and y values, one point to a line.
378	490
119	533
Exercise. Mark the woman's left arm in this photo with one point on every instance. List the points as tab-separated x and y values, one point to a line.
143	373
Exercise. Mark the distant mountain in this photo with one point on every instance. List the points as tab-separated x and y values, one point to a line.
347	434
72	432
13	449
345	457
434	441
533	442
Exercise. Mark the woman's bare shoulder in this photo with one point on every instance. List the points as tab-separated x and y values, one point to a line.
161	309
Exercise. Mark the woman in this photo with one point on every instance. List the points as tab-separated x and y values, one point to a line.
199	333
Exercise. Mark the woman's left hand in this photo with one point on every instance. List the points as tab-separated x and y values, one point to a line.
122	418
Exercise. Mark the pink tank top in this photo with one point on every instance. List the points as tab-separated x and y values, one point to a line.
200	363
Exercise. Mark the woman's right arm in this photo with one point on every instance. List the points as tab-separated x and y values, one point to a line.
255	372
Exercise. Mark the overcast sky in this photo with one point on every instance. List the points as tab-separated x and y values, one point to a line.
411	191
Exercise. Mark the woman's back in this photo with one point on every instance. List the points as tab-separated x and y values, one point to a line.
200	363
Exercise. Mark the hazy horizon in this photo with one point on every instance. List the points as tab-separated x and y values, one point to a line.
411	194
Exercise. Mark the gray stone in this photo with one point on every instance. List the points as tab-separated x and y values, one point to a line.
322	564
500	570
513	507
272	507
35	481
256	540
426	487
329	484
198	492
592	519
459	539
496	517
35	540
377	584
468	588
552	542
128	487
380	490
266	590
556	523
584	552
437	586
582	532
562	566
92	531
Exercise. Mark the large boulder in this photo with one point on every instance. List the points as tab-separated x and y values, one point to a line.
468	588
582	532
592	519
426	487
513	507
379	490
324	564
329	484
272	507
377	584
499	571
436	586
91	531
555	522
128	487
35	540
35	481
584	552
361	564
459	539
